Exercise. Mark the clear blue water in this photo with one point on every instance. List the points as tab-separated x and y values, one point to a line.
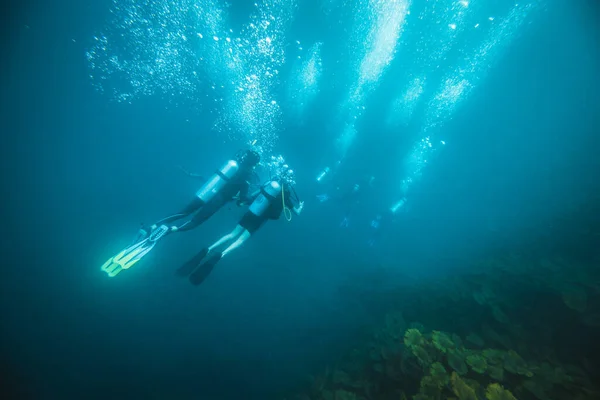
481	117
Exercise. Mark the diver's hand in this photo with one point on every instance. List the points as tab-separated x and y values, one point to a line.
239	201
298	210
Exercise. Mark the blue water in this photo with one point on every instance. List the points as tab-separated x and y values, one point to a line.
88	156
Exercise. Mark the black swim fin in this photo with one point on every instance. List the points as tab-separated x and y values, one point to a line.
200	274
192	264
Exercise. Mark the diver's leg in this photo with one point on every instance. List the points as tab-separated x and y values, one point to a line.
240	240
191	208
201	272
207	211
194	264
238	229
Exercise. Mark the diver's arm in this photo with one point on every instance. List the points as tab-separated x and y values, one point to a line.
242	196
291	197
245	196
290	204
252	196
255	178
298	210
243	193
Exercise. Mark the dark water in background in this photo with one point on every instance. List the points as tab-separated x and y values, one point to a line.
81	173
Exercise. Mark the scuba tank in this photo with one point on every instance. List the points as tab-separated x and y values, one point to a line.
220	178
267	195
322	174
394	209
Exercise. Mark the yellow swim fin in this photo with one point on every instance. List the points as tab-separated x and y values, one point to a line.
134	253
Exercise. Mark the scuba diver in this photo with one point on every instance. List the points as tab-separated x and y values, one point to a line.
384	219
349	198
275	197
230	182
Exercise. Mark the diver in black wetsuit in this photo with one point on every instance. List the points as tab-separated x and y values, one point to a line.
229	183
275	197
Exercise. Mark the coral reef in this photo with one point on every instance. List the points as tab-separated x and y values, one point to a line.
492	357
517	324
495	391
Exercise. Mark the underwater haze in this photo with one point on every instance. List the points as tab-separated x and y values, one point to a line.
446	152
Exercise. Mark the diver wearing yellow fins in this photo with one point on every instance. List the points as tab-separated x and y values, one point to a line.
277	196
231	182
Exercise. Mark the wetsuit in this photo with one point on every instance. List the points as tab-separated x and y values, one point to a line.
205	210
267	205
